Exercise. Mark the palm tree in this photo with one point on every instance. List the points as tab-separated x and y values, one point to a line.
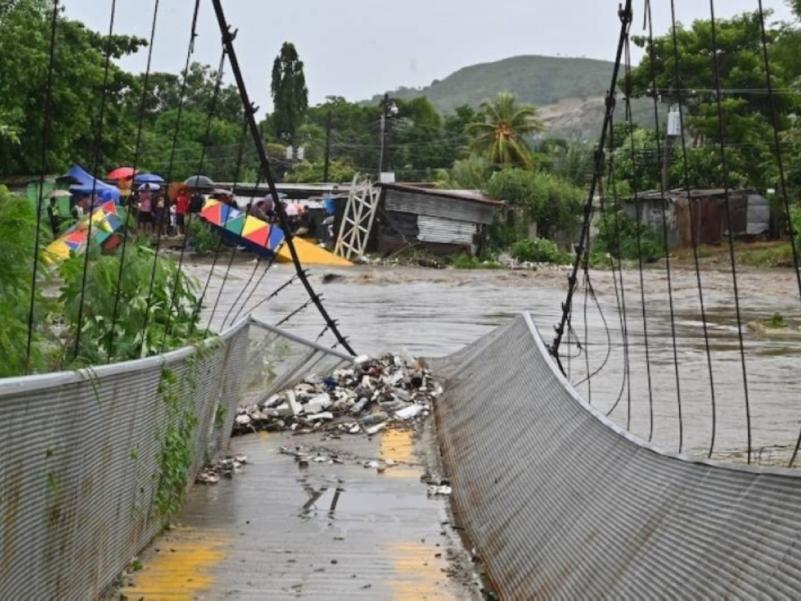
500	134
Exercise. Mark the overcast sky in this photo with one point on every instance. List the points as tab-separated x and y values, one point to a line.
358	48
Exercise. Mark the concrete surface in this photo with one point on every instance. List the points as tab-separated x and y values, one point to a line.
279	531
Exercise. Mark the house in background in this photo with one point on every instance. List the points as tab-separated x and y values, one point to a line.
442	221
705	213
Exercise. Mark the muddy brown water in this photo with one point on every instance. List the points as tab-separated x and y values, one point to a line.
435	312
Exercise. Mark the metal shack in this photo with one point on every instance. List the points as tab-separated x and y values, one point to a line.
705	214
443	221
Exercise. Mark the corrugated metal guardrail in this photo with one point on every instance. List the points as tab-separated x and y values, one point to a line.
81	455
562	503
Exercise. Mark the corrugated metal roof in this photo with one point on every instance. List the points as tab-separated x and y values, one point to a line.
421	202
458	195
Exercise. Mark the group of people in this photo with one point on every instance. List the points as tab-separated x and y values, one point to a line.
154	212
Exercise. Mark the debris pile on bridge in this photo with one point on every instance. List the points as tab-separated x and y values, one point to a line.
226	467
364	398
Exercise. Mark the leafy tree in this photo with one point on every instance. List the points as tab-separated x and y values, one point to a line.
289	92
500	133
77	89
471	173
747	115
311	172
553	203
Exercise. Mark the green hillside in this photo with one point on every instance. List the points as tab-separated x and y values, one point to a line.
539	80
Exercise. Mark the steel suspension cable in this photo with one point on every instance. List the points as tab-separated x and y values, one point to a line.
137	156
181	101
201	163
663	202
231	262
250	109
45	141
625	15
693	227
780	165
638	224
98	151
727	203
270	263
217	249
620	296
272	295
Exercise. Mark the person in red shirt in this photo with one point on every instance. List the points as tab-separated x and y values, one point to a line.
181	210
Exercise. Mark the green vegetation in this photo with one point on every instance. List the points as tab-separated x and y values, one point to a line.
17	233
290	96
538	80
776	321
202	237
547	200
539	250
465	261
176	445
620	237
171	322
499	134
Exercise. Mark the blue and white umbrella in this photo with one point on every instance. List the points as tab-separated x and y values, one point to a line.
148	178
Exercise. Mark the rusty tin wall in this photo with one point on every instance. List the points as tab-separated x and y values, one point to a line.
80	456
561	503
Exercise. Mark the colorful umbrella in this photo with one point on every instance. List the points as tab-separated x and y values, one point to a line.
121	173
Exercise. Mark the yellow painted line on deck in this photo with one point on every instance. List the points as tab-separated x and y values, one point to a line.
398	446
181	569
419	574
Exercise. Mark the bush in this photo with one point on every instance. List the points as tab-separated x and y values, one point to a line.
171	322
539	250
17	233
553	203
202	237
618	236
465	261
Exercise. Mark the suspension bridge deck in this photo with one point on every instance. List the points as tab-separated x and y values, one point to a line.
277	531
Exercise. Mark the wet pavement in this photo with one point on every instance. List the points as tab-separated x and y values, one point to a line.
281	531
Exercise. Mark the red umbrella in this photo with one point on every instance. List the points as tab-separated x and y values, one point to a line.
121	173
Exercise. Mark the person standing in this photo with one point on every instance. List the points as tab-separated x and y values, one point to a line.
53	214
145	212
181	210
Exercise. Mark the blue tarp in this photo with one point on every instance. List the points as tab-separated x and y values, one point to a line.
87	183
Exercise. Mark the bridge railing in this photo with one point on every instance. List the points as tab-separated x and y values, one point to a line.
561	502
93	461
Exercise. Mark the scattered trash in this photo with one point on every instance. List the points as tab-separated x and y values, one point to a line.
366	397
439	490
225	467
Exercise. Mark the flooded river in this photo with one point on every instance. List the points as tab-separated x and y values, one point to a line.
435	312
